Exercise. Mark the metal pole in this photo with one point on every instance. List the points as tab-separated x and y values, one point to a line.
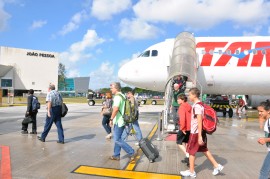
159	127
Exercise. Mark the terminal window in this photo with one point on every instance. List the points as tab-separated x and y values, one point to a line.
6	82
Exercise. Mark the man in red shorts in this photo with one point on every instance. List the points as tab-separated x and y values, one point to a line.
197	139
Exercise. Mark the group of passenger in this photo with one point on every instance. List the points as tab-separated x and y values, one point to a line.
108	104
190	137
115	120
54	109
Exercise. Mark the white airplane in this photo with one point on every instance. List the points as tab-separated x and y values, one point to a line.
226	65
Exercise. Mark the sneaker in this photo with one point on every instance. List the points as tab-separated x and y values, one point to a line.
33	132
217	170
187	173
114	158
133	156
109	136
39	138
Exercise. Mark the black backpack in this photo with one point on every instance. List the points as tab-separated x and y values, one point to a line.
35	104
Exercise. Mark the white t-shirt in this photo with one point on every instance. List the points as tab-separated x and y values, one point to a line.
266	130
196	109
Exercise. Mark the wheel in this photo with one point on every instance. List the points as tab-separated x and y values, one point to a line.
154	102
91	102
230	113
143	102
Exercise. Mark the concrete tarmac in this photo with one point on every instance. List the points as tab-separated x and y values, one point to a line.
86	150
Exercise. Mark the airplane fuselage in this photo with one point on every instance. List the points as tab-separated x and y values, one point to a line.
227	65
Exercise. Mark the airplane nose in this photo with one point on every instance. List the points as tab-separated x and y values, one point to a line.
122	73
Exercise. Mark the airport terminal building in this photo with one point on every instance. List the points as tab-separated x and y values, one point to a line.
77	86
24	69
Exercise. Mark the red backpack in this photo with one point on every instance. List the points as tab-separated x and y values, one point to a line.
209	119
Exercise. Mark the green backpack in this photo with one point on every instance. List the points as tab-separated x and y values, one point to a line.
130	113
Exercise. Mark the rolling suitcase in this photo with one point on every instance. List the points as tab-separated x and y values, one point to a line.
149	150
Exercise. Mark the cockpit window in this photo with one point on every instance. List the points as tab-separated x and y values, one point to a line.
145	54
154	53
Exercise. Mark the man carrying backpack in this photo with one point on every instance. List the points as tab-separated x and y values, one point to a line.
118	123
135	124
31	111
197	139
54	113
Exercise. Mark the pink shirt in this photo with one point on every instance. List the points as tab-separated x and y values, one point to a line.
196	109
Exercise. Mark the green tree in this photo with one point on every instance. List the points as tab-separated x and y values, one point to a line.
61	76
126	89
104	90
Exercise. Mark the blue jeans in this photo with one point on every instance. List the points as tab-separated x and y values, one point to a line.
55	118
265	170
106	124
138	132
119	143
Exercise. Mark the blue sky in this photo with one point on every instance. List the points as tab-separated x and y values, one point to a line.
95	37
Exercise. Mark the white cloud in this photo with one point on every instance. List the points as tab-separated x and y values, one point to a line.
103	76
137	29
105	9
203	14
73	73
4	16
74	23
81	50
38	24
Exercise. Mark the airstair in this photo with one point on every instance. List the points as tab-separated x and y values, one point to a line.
183	62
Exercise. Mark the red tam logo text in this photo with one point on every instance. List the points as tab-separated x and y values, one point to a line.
256	60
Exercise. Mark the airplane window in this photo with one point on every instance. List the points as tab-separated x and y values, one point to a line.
228	52
263	51
237	52
203	52
211	52
219	52
146	54
154	53
254	51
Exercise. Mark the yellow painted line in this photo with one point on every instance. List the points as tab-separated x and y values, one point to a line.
129	170
106	172
133	163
